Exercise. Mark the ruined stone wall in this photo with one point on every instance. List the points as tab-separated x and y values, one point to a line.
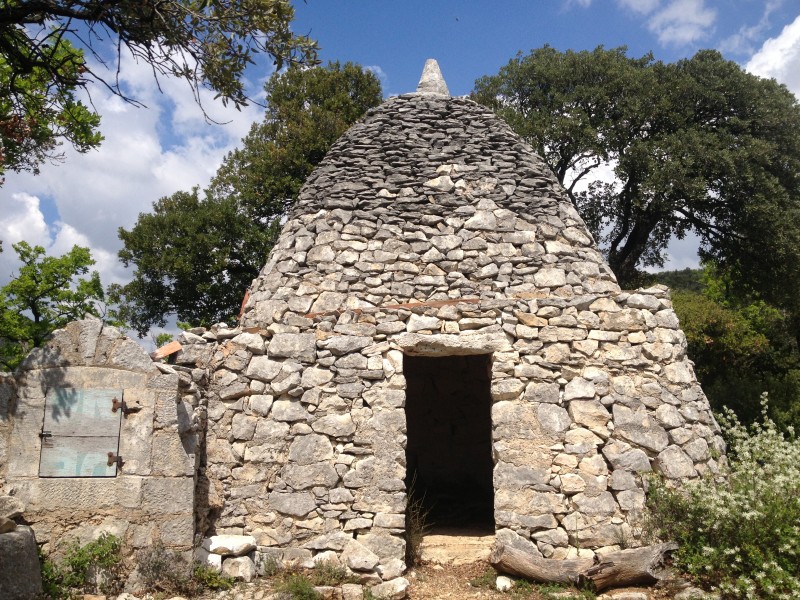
152	497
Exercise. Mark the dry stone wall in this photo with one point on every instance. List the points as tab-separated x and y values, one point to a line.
431	229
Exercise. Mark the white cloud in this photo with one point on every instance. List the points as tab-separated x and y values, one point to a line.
642	7
682	22
742	41
147	153
779	58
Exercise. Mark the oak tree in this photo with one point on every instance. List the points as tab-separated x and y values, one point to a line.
695	146
44	43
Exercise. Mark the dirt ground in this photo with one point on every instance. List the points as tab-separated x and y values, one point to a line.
476	580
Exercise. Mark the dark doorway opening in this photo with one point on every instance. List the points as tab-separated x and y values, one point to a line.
449	448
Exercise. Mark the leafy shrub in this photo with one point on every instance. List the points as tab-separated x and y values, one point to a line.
331	574
740	535
209	578
166	571
94	567
298	586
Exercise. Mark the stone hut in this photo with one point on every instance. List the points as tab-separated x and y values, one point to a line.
436	323
434	327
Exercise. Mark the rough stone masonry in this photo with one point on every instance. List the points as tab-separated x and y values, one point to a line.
431	229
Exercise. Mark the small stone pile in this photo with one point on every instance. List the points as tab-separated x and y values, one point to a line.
20	575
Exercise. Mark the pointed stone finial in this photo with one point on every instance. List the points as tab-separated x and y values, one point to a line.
432	81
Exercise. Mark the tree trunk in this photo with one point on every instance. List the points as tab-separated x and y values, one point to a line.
637	566
544	570
627	567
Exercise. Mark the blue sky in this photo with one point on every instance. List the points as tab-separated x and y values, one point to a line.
153	152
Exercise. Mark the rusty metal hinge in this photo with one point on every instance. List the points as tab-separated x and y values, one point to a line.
115	458
117	404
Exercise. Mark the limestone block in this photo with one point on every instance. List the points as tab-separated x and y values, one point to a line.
549	277
127	355
344	344
335	425
358	557
289	410
589	413
240	567
510	538
167	495
171	457
419	323
11	507
622	480
623	456
310	449
673	463
243	427
299	346
394	589
627	319
552	419
579	388
543	392
301	477
229	545
506	389
253	342
20	575
384	545
49	495
315	377
668	416
602	504
263	368
177	531
261	404
297	504
512	477
697	450
679	372
572	483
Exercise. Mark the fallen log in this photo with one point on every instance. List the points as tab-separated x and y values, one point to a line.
635	566
543	570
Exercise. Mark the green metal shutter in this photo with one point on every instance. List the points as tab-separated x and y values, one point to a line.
80	435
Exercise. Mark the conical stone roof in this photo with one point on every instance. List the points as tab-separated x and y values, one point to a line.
443	195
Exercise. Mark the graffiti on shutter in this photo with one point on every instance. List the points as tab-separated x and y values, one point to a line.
80	434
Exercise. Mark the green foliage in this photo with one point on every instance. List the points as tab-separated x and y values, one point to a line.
163	570
741	345
298	587
197	255
34	117
331	574
209	578
46	294
739	534
208	43
698	145
485	580
93	568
